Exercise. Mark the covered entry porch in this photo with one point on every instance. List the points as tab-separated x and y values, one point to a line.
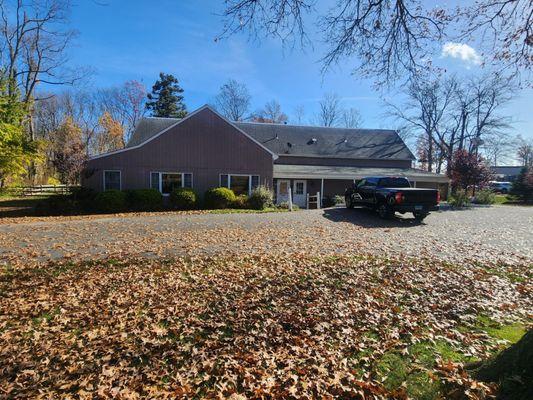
304	180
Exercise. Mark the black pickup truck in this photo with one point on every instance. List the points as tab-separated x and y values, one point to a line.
387	195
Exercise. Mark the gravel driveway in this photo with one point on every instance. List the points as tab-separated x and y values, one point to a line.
501	233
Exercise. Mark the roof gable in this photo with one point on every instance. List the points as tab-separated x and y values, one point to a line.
293	140
150	128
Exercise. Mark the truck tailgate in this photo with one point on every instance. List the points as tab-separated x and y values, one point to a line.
420	196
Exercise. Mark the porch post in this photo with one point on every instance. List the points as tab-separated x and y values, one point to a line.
321	191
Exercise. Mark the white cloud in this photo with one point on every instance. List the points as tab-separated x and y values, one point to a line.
461	51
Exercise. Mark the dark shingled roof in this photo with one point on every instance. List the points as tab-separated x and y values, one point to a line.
309	141
315	141
149	127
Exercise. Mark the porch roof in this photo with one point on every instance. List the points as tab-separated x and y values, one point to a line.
334	172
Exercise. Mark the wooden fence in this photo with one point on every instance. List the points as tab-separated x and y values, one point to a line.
39	190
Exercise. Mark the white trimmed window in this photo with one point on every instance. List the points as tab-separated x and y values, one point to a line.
240	184
166	182
112	180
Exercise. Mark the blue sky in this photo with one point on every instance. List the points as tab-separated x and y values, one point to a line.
134	39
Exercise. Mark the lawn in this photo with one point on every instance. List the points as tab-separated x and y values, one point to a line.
13	208
255	327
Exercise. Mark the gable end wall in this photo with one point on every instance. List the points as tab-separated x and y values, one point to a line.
205	145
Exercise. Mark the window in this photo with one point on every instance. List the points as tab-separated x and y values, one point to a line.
112	180
166	182
394	182
169	182
240	184
299	188
255	181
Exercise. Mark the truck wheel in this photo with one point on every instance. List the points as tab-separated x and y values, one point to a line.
348	201
384	211
420	216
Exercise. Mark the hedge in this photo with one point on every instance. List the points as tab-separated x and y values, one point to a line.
144	199
110	201
219	198
184	199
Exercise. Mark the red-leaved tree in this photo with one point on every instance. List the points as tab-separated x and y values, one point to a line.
469	170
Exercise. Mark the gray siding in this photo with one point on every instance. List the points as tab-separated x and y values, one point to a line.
343	162
204	145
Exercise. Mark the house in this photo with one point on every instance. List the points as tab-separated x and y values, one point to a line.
205	150
506	173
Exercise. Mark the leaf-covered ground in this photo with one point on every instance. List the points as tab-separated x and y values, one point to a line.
280	326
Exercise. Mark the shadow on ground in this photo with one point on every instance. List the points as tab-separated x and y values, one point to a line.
367	218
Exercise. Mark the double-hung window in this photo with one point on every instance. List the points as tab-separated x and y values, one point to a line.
166	182
112	180
240	184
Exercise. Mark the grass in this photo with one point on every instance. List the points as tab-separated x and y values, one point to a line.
508	199
245	210
510	332
412	370
232	313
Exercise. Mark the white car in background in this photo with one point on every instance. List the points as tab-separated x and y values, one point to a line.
500	187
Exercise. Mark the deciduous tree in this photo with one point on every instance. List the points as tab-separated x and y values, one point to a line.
70	155
271	113
111	134
392	39
469	170
330	111
233	100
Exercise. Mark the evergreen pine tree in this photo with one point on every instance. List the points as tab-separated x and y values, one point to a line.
166	99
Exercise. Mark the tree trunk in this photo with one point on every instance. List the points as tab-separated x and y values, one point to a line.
512	369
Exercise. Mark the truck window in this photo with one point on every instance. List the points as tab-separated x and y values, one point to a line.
394	183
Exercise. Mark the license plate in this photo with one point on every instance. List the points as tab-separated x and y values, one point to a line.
418	208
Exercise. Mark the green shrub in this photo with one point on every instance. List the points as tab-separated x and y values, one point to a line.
144	199
261	198
338	199
84	197
184	199
485	196
241	202
523	185
328	201
59	204
459	199
110	201
285	205
219	198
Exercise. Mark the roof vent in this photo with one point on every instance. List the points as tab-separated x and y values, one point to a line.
345	140
312	141
277	137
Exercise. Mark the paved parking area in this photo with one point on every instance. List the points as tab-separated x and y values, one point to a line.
499	233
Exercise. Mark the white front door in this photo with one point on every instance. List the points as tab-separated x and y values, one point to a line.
300	193
283	191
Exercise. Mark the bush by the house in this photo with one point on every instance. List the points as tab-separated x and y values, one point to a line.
328	201
219	198
59	204
241	202
183	199
485	196
261	198
459	199
144	199
110	201
338	199
84	197
285	205
523	185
